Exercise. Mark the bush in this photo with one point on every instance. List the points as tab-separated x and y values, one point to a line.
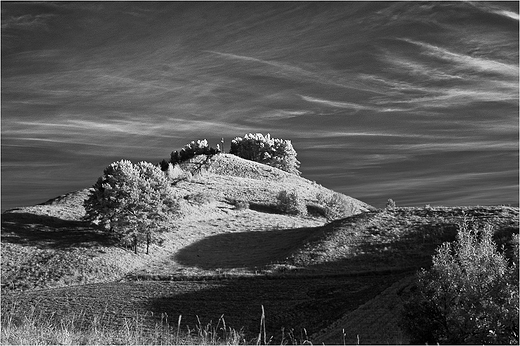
200	198
291	203
134	201
241	205
174	172
469	296
274	152
335	206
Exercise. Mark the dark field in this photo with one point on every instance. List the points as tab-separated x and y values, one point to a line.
295	303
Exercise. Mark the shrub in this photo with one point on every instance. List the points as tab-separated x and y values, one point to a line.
390	204
469	296
335	206
241	205
190	150
174	172
274	152
200	198
291	203
134	201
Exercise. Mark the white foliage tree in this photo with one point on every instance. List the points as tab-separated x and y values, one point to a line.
135	201
275	152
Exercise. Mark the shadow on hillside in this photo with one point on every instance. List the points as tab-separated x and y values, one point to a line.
265	208
50	232
251	250
372	242
255	250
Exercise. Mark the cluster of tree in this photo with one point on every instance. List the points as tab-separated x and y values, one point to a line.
190	150
274	152
469	296
133	201
136	202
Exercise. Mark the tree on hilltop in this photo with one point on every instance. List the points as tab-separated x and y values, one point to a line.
134	201
190	150
274	152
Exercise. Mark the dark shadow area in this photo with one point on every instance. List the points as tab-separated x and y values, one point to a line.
254	249
292	304
265	208
372	242
316	210
313	210
376	252
50	232
503	237
296	305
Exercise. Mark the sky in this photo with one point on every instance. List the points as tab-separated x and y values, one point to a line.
414	101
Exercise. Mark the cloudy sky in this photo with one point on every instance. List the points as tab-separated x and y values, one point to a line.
414	101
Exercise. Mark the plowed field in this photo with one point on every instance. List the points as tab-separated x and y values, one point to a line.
291	303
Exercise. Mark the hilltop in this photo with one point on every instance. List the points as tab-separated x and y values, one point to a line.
231	250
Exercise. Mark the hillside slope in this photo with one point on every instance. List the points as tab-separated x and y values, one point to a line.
48	245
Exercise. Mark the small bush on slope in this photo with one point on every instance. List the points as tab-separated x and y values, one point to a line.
335	206
291	203
133	201
469	296
174	172
274	152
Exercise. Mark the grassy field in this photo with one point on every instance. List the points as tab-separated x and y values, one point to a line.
333	282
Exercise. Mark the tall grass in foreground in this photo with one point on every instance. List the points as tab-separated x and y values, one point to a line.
34	328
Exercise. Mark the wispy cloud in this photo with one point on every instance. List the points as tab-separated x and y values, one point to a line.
468	61
438	77
445	98
26	21
137	126
352	105
450	146
509	14
337	104
420	69
333	135
281	68
495	8
308	74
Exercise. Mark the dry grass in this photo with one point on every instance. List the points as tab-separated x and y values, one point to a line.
35	328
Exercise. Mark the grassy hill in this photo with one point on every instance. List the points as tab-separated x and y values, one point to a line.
310	274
